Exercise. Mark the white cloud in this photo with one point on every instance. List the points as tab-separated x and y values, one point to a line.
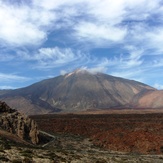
6	87
50	5
101	66
99	33
23	25
47	58
141	9
158	86
131	74
56	4
155	39
30	24
12	77
54	57
102	27
114	12
63	72
134	58
127	60
157	62
95	70
97	66
122	21
148	37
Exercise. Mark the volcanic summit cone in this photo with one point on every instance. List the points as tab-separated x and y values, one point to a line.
74	92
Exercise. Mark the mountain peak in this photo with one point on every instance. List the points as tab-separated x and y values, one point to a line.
80	70
79	90
77	71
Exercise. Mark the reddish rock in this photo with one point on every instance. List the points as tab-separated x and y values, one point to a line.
135	133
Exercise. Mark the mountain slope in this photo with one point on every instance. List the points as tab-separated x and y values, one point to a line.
4	91
76	91
149	99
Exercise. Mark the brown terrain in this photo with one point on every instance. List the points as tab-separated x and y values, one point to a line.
71	138
132	133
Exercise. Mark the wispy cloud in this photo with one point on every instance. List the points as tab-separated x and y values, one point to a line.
6	57
6	87
155	39
47	58
56	57
100	65
131	74
158	86
98	33
12	81
22	24
158	62
12	77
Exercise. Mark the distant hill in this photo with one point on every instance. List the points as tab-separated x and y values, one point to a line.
4	91
77	91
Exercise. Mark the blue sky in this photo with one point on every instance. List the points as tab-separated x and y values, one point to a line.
40	39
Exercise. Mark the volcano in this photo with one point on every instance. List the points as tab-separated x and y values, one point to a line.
77	91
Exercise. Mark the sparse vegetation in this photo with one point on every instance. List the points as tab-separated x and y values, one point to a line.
73	142
133	133
27	153
17	161
3	158
4	144
82	151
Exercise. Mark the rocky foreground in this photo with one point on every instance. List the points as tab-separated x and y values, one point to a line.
21	142
18	124
68	148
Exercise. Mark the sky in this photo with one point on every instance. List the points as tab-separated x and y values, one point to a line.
41	39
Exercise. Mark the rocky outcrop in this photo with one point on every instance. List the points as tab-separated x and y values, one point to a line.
16	123
4	108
